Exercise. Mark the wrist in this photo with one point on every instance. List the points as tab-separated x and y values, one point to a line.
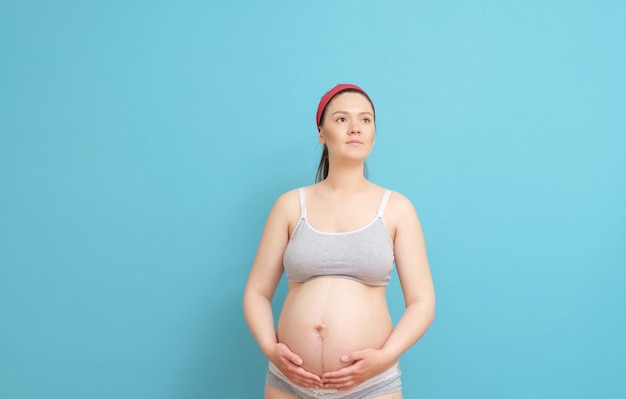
268	348
389	355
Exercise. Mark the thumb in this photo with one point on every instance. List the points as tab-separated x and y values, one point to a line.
295	359
290	355
350	357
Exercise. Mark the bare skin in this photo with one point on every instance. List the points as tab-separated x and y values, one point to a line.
325	318
334	332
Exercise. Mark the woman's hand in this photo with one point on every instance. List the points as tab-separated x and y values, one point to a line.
290	365
361	365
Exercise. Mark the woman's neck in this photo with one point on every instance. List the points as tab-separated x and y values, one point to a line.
346	179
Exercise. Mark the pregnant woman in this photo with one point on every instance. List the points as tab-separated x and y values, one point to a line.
337	242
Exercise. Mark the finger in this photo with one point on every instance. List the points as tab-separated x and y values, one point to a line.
342	382
346	358
347	387
295	359
307	374
352	357
292	357
339	380
308	379
341	373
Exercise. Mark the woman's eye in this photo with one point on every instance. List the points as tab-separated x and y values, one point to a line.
341	119
367	120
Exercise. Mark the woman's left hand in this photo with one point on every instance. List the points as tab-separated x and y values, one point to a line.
362	365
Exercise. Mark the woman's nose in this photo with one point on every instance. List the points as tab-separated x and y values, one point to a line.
354	128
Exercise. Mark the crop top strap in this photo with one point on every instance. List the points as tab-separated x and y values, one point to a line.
302	203
383	203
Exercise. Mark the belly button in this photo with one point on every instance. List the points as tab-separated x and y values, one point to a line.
320	328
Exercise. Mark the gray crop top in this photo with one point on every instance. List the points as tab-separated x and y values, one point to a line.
365	255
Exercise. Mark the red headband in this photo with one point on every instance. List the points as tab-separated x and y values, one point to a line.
332	93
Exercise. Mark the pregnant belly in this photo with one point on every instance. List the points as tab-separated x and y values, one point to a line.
326	317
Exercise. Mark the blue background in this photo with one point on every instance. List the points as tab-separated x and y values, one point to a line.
142	144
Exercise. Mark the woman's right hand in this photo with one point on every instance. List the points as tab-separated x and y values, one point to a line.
290	363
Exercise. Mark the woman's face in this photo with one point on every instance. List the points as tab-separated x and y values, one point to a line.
348	128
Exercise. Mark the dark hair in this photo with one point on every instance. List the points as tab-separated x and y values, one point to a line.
322	168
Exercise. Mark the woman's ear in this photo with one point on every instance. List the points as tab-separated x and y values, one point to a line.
320	136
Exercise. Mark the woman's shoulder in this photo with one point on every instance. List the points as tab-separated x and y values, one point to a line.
288	202
288	197
399	204
394	196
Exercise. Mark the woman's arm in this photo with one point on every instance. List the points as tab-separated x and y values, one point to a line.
415	279
419	297
264	277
